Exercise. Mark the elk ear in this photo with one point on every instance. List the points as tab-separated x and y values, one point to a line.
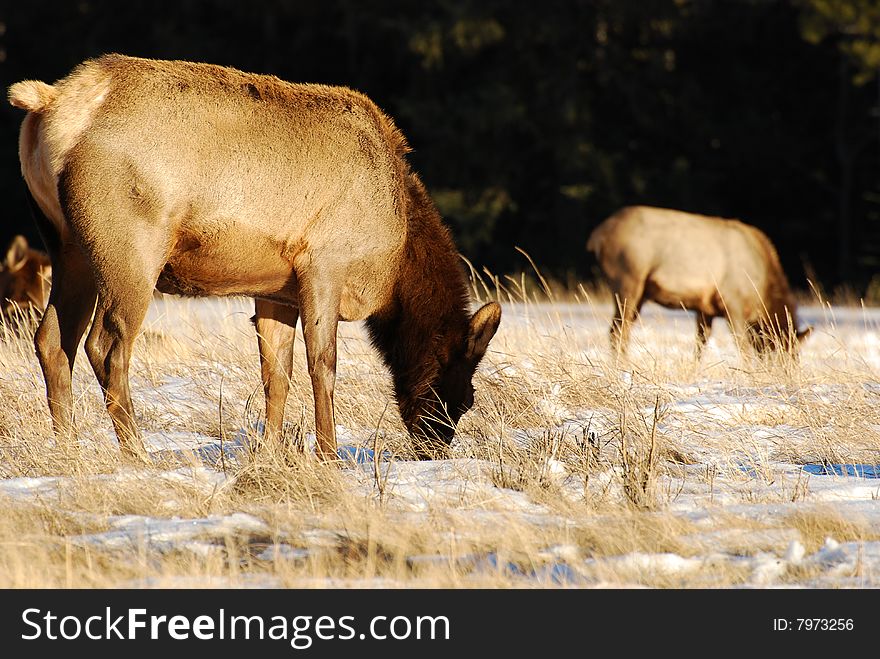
483	325
16	255
803	334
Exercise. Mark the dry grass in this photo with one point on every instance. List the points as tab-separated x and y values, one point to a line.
817	525
569	457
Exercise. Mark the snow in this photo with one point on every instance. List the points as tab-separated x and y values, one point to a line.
134	532
735	434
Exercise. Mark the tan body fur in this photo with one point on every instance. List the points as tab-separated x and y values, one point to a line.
714	266
204	180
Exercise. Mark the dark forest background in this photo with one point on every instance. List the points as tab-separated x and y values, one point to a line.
533	121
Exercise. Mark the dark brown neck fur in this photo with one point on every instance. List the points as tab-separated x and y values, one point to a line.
777	296
428	318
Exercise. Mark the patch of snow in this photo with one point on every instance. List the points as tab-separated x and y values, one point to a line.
666	563
134	531
283	552
29	487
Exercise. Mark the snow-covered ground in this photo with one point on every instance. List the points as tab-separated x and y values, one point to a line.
762	476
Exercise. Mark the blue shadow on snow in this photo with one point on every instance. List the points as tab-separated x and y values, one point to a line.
833	469
558	573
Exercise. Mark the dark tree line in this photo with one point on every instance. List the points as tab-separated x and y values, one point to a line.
531	122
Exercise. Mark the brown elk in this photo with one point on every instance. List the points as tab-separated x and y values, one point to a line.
25	276
205	180
714	266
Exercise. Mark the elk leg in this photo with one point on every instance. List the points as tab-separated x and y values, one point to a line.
704	331
126	239
740	330
276	328
320	317
118	317
627	304
71	302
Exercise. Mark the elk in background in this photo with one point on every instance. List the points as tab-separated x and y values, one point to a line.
25	278
716	267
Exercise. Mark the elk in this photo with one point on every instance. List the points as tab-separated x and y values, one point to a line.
25	276
710	265
198	180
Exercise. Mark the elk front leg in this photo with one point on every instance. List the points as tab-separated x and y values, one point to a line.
741	332
704	331
320	318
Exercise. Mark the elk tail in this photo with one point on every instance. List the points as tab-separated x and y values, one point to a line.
32	95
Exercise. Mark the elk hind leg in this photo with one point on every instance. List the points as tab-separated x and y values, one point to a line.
122	304
71	302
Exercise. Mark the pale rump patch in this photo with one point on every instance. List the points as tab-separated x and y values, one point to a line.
79	98
58	116
37	171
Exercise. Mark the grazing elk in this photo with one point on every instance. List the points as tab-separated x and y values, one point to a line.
714	266
25	276
204	180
